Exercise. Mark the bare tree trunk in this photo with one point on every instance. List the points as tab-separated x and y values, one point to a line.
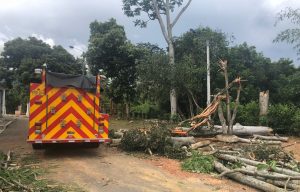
191	107
222	119
263	102
195	102
237	102
127	106
168	36
173	96
228	112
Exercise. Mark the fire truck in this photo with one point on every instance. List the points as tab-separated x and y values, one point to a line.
65	108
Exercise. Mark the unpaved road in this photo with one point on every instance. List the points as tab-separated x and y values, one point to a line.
107	169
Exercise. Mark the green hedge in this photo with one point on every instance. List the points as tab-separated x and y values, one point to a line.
284	118
248	114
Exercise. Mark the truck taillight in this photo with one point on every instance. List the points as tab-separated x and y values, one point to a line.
100	128
38	127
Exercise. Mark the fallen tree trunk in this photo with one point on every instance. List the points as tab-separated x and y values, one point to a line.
200	144
263	174
289	185
247	180
255	163
182	141
272	138
115	142
118	134
235	139
241	130
266	172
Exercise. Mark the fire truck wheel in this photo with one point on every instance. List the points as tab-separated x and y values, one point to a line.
37	146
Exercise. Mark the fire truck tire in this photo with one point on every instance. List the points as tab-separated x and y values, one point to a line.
38	146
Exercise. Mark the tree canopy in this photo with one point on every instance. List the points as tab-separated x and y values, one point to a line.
291	36
19	59
110	51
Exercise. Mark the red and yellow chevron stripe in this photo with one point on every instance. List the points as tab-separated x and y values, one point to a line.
65	115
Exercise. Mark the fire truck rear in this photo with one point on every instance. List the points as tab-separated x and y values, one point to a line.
66	109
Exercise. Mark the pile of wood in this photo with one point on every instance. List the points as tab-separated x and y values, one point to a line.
266	167
258	161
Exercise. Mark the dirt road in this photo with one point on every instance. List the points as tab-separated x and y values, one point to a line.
107	169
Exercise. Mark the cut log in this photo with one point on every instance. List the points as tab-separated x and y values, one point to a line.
266	172
289	185
235	139
227	138
115	142
182	141
241	130
272	138
200	144
247	180
118	134
255	163
232	139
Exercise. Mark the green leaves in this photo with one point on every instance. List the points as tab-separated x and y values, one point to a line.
270	166
21	57
291	36
110	50
199	163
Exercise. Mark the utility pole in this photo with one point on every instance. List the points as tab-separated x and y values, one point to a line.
83	57
208	72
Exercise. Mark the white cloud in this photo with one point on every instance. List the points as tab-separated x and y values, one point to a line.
3	39
49	41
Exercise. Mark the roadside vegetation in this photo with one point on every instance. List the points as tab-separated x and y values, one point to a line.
24	174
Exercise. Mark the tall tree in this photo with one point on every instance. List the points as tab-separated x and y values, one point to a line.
110	51
19	59
291	36
156	10
190	55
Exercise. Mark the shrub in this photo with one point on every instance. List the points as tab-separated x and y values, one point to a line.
248	114
199	163
134	140
296	122
156	139
174	152
281	118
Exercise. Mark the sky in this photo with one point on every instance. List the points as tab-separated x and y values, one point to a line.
66	22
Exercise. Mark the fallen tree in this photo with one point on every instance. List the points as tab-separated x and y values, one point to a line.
241	130
200	144
238	130
235	139
272	138
247	180
255	163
